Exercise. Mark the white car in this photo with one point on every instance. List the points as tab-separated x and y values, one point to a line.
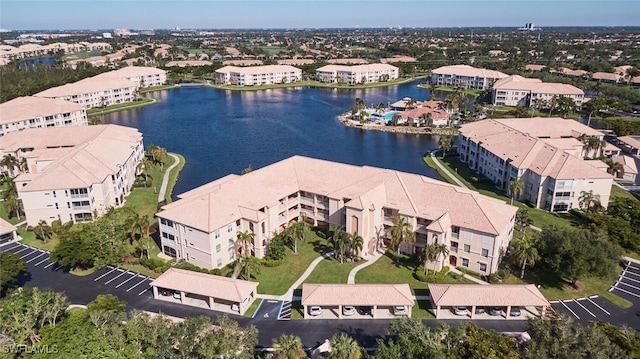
515	312
348	310
460	311
315	311
400	310
235	307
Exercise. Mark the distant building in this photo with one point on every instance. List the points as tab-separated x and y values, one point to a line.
529	27
258	75
465	76
544	153
357	74
74	173
605	77
94	92
141	76
36	112
519	91
202	226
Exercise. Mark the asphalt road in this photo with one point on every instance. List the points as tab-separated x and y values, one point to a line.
135	290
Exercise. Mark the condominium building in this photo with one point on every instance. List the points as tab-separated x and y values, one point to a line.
544	153
141	76
36	112
94	92
519	91
74	173
30	50
258	75
358	74
202	226
465	76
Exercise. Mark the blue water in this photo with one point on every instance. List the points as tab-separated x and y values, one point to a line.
221	132
23	64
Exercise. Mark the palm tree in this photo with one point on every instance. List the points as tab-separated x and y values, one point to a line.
145	244
428	256
43	231
441	249
523	220
525	252
245	265
344	347
360	103
395	118
445	142
380	108
160	154
616	168
144	165
589	201
401	231
515	188
409	102
553	103
244	242
339	239
295	233
537	104
10	162
462	98
132	224
356	243
288	347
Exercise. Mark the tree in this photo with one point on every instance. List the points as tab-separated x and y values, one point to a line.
515	188
11	268
245	266
589	201
339	240
244	242
344	347
249	169
428	256
380	108
10	162
615	168
445	143
484	343
295	233
401	231
356	243
145	245
106	303
145	164
288	347
525	252
43	231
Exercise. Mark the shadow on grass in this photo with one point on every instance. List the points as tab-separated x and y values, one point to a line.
320	247
297	292
421	292
405	261
542	277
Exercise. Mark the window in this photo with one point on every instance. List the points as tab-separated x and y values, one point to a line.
232	255
230	242
170	251
230	227
165	222
217	234
468	235
465	262
485	252
467	248
483	267
218	248
486	239
219	262
455	229
560	207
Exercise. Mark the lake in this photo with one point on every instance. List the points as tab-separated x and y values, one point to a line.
221	132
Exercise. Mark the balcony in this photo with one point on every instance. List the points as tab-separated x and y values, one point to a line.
453	249
81	208
308	212
307	200
80	195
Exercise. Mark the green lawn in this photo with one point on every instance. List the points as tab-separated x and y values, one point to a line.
277	280
173	177
331	271
252	308
312	83
554	288
621	193
143	101
156	88
29	238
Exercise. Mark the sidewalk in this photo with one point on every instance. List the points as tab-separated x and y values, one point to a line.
471	278
445	170
165	179
370	260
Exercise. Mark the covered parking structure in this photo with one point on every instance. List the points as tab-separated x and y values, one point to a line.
481	298
379	300
7	232
205	290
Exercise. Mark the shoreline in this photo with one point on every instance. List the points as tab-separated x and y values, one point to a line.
407	130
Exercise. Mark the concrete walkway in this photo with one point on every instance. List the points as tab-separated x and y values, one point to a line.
165	179
445	170
471	278
370	260
289	294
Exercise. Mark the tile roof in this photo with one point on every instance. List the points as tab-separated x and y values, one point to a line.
26	108
218	203
468	71
88	85
6	227
446	295
357	294
630	164
258	69
357	68
130	71
209	285
633	141
517	82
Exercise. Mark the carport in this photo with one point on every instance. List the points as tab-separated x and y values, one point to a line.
380	298
444	297
7	232
205	290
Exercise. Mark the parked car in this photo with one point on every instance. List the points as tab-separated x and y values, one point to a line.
480	310
166	292
460	311
315	311
348	310
400	310
515	312
495	311
176	295
235	307
363	310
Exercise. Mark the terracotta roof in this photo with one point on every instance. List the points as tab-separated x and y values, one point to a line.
131	71
357	68
356	294
633	141
630	164
26	108
6	227
605	76
209	285
88	85
448	295
469	71
517	82
218	203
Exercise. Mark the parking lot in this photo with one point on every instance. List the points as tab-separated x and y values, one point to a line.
124	280
586	309
32	256
628	283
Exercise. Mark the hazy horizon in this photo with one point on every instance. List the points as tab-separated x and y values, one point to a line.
19	15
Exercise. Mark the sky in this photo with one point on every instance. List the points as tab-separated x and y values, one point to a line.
259	14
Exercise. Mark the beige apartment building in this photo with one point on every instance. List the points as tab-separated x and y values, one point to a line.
358	74
94	92
258	75
74	173
519	91
202	226
465	76
37	112
544	153
141	76
10	53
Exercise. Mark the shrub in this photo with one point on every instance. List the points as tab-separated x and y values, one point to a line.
474	179
503	273
431	277
469	272
152	263
493	278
